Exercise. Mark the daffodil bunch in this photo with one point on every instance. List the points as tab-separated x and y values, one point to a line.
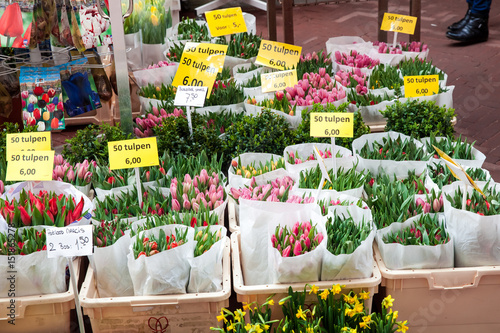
251	170
299	317
385	321
131	24
252	318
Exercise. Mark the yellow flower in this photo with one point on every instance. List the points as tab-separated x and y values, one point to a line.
246	306
394	315
271	302
153	9
248	327
300	313
239	315
324	294
314	289
336	289
388	302
154	20
158	89
266	327
351	300
309	330
222	316
349	312
364	295
364	325
345	329
402	326
367	319
258	329
231	327
358	307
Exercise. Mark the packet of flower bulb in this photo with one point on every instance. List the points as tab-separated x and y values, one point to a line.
41	98
79	93
40	27
94	29
15	23
65	38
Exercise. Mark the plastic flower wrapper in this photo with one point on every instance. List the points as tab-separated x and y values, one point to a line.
421	242
462	152
109	261
388	78
159	259
206	266
35	273
441	175
250	170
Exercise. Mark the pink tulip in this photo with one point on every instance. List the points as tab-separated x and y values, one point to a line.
297	250
70	175
286	251
176	205
186	205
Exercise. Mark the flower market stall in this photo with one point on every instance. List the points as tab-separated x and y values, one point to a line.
233	213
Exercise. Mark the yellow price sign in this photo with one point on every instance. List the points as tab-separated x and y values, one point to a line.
278	55
226	21
30	165
29	141
199	65
421	85
134	153
278	80
332	124
399	23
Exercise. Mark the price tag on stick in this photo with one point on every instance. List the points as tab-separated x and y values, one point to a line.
421	85
399	23
28	141
127	154
334	124
278	55
70	241
190	96
226	21
278	80
30	165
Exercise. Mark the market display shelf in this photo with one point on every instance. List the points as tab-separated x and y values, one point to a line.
180	313
457	300
48	313
259	293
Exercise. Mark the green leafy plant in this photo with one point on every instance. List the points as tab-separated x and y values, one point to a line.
342	180
455	148
419	118
441	175
395	150
91	143
252	67
303	131
427	230
344	236
385	76
412	67
225	93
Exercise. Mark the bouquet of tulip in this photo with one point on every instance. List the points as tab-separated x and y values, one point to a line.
107	233
251	170
455	148
160	64
149	246
403	46
255	81
427	230
278	103
354	59
206	239
294	158
366	99
243	45
24	242
221	120
325	203
433	202
145	124
225	94
202	218
252	67
395	150
126	205
353	79
196	165
411	67
44	208
314	88
153	21
415	184
156	173
174	53
164	93
312	62
106	179
476	203
385	76
343	180
301	238
78	175
441	175
202	190
390	203
344	236
190	30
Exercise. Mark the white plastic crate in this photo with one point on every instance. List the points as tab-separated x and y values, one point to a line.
458	300
41	313
260	293
195	312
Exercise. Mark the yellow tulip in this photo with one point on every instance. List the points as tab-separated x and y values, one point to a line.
154	20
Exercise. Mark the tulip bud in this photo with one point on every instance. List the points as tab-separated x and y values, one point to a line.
176	206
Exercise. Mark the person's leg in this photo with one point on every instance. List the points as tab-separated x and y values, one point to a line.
476	28
460	24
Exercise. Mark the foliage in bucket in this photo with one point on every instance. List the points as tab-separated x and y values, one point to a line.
149	246
343	179
344	236
455	148
476	203
24	242
427	230
394	150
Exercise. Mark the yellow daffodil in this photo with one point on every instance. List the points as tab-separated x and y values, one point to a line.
345	329
266	327
349	312
336	289
222	316
248	327
388	302
239	315
309	330
314	289
271	302
246	306
394	315
324	294
258	329
364	325
153	9
402	327
231	327
300	313
364	295
358	307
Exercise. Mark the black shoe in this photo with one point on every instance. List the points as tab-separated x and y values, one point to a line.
475	31
460	24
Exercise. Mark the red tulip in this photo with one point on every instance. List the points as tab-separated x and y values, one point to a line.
19	42
77	213
51	92
46	98
25	217
38	91
36	114
54	123
11	22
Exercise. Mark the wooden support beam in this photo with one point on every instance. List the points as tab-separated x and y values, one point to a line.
271	20
383	7
415	10
287	8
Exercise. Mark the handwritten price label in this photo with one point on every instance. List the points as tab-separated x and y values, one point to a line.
199	65
421	85
278	55
399	23
28	141
335	124
71	241
135	153
30	165
278	80
190	96
226	21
